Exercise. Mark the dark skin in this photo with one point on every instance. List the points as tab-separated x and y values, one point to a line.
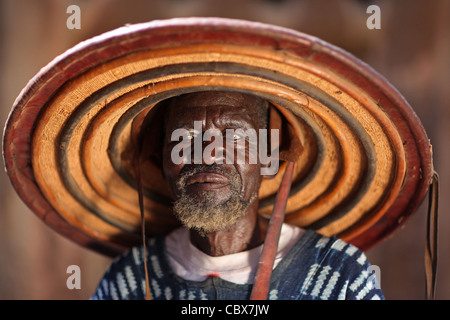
218	111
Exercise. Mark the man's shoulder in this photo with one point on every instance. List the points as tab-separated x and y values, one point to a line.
331	250
125	276
328	268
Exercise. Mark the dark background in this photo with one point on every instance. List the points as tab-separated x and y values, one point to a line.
412	50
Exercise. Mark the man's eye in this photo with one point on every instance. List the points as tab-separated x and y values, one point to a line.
190	135
234	137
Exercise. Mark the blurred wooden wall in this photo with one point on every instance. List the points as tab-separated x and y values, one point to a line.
412	50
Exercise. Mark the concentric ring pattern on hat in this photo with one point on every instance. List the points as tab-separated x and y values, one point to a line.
365	167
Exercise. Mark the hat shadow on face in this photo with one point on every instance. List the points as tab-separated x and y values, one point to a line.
148	134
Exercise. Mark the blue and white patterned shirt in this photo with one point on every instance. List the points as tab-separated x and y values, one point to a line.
316	268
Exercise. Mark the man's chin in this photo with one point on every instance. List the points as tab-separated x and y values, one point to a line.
203	230
210	224
209	212
209	199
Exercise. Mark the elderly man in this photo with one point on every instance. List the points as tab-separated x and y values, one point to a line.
179	147
215	256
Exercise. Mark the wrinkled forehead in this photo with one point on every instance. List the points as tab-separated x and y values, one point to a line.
211	98
235	104
244	102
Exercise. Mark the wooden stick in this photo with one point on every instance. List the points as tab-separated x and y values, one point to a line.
431	248
137	166
262	279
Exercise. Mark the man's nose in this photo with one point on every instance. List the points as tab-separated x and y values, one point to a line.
212	152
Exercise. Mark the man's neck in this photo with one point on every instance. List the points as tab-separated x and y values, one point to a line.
246	234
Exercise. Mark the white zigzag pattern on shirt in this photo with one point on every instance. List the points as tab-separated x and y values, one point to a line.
113	291
273	294
307	282
343	292
136	253
156	266
320	281
156	288
130	278
168	293
143	287
364	291
104	286
359	281
330	285
351	250
203	296
191	295
322	242
121	284
362	259
338	245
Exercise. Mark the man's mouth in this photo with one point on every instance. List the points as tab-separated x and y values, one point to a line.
203	181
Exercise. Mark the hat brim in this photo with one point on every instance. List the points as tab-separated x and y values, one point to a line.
365	167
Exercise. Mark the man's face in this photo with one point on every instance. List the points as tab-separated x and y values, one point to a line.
211	196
